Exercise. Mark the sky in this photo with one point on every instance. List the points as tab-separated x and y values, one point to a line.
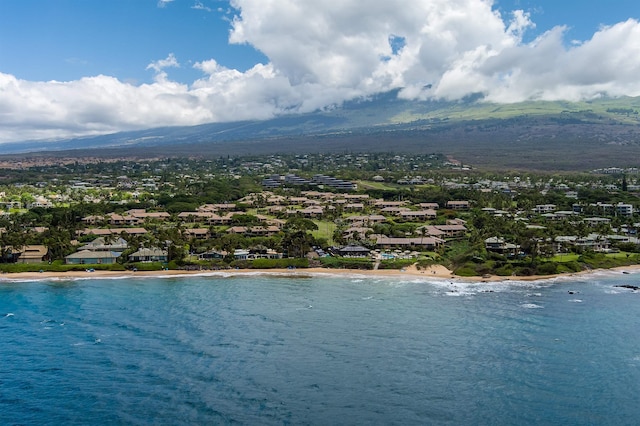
73	68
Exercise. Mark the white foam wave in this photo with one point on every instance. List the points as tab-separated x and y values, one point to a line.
305	308
531	306
575	301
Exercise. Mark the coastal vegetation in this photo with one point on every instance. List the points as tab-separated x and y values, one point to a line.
399	210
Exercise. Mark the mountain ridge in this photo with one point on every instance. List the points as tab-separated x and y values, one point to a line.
363	124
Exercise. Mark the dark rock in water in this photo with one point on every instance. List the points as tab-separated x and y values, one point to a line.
629	286
573	292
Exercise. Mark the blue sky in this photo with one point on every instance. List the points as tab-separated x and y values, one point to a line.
78	67
69	39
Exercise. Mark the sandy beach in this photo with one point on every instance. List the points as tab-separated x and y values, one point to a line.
434	271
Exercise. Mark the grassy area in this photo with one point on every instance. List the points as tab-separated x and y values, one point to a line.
325	230
367	184
562	258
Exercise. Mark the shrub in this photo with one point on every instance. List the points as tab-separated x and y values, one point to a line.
568	267
547	268
504	271
279	263
396	264
346	263
524	271
146	266
467	270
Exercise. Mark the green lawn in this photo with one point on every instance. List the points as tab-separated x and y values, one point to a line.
367	184
562	258
325	230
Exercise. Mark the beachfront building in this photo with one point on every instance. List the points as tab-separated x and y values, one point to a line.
353	251
90	257
33	254
499	245
102	244
149	255
423	243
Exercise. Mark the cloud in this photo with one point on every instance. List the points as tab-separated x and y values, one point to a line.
200	6
163	3
323	53
159	67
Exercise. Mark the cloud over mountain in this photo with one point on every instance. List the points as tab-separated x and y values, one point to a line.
323	53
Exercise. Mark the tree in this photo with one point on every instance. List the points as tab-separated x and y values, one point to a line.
300	224
12	240
297	241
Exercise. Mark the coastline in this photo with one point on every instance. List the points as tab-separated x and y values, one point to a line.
437	272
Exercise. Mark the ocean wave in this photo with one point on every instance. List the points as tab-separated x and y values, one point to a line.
531	306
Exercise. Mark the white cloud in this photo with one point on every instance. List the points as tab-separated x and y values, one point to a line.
200	6
322	53
163	3
159	67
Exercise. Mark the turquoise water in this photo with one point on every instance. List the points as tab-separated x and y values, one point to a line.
258	349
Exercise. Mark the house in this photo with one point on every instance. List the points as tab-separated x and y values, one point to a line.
93	220
241	254
312	212
429	206
194	217
418	215
90	257
499	245
394	210
254	231
200	233
212	254
625	210
595	221
544	208
595	242
452	230
425	243
263	253
458	205
353	251
100	244
367	220
149	255
381	204
33	254
430	230
112	231
352	207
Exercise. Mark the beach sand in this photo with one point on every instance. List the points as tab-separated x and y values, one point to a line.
434	271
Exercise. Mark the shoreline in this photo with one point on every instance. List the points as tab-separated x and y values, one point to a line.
437	272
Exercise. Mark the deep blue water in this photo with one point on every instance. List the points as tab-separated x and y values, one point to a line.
319	350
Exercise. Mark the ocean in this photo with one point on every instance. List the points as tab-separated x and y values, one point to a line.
319	350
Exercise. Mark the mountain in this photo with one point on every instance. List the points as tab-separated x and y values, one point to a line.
535	134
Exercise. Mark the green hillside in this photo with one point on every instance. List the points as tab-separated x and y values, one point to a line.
622	110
